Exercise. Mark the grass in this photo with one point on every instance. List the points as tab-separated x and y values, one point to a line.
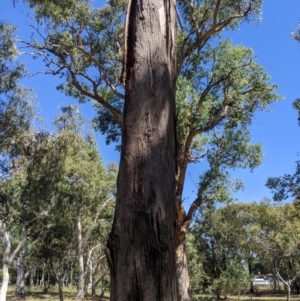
261	294
37	294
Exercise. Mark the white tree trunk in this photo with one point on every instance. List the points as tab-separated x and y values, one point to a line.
286	284
81	274
5	273
8	257
21	273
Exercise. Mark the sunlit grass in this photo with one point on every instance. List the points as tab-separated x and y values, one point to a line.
37	294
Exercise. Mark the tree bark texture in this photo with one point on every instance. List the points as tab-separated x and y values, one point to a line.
182	273
141	246
183	282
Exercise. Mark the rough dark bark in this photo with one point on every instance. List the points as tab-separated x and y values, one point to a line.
141	246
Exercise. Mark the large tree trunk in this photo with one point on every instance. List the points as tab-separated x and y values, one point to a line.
141	246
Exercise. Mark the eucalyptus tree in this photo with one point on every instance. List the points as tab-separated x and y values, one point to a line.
16	113
16	110
219	237
195	260
277	238
226	242
129	58
78	198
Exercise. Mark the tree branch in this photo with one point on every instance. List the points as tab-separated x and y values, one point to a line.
19	246
106	79
91	228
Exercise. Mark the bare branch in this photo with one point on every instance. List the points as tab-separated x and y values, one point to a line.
91	228
106	79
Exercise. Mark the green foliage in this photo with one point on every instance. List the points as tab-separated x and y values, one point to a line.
197	276
88	42
219	87
234	279
285	186
16	110
58	177
264	237
85	45
218	92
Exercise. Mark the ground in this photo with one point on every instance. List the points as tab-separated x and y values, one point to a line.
69	295
37	295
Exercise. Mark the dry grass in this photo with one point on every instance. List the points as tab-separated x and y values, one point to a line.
261	294
69	295
37	294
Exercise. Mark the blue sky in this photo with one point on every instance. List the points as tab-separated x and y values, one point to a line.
278	130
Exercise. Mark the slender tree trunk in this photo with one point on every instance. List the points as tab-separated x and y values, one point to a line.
42	280
81	274
183	283
250	273
47	283
286	285
8	257
102	286
141	246
21	273
5	272
182	274
60	290
31	277
59	277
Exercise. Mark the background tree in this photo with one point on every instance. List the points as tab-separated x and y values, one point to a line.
278	238
78	200
59	187
237	241
16	114
234	279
